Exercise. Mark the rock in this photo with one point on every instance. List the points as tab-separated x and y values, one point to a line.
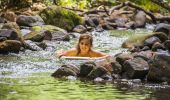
32	45
2	20
117	68
162	27
30	21
60	17
157	46
42	45
162	36
107	77
145	48
167	44
120	22
10	16
66	70
2	39
86	68
150	41
136	68
121	58
97	72
63	71
140	19
80	29
51	32
9	34
35	36
146	55
10	46
159	68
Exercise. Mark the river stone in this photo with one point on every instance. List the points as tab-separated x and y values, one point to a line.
35	36
140	19
86	68
74	68
32	45
30	21
121	58
157	46
9	34
51	32
150	41
159	68
2	20
10	46
2	39
162	36
63	71
167	44
97	72
80	29
146	55
136	68
117	68
162	27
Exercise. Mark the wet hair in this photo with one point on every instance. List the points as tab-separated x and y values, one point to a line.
84	36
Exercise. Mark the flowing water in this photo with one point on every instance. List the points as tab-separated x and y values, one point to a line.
26	76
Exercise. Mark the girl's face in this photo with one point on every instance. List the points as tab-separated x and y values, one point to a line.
84	46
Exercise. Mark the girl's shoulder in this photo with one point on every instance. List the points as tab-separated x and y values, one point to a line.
71	52
95	53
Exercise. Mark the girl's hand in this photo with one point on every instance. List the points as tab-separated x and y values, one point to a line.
59	53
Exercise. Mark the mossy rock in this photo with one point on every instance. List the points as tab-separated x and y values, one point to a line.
60	17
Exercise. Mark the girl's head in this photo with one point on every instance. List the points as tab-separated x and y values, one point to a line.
84	43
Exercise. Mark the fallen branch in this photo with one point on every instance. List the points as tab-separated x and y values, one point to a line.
162	3
140	8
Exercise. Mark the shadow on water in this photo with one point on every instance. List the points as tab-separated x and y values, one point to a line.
26	76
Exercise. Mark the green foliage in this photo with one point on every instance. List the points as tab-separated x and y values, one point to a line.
60	17
15	3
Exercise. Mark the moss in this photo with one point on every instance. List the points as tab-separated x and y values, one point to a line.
60	17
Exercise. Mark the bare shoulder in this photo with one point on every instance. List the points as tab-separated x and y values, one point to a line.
95	53
71	52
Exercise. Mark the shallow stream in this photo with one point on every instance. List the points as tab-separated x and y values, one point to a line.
26	76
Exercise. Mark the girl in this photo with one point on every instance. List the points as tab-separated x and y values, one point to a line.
83	49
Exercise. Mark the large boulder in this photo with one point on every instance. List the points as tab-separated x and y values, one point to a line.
159	68
136	68
30	21
10	46
66	70
50	32
60	17
140	19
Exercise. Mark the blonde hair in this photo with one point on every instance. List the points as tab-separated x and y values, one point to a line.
84	36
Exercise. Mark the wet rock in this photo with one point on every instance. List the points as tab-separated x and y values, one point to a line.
98	79
157	46
97	72
167	44
2	20
162	36
121	58
42	45
10	16
35	36
86	68
159	68
150	41
120	22
107	77
93	22
66	70
162	27
2	39
32	46
140	19
80	29
136	68
145	48
51	32
62	71
146	55
117	68
10	46
9	34
30	21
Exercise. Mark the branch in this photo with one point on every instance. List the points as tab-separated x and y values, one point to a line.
162	3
